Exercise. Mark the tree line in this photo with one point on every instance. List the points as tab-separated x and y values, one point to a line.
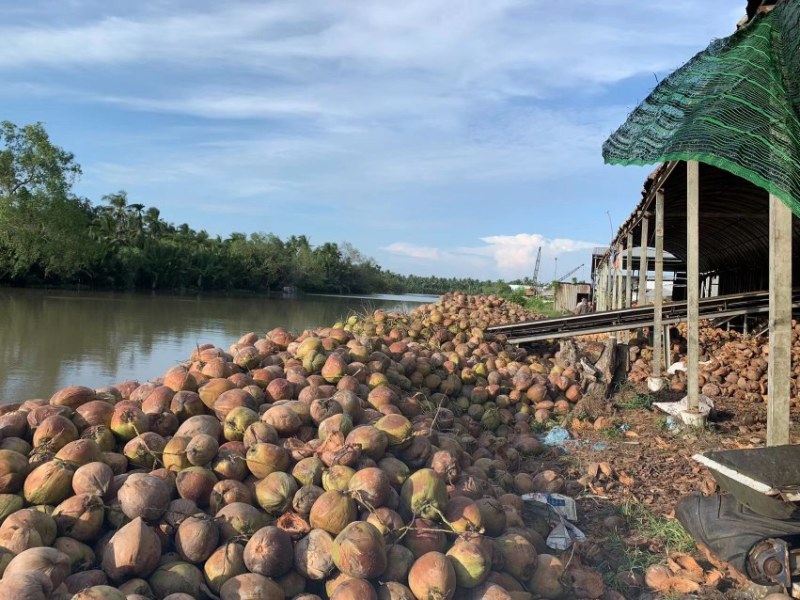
50	236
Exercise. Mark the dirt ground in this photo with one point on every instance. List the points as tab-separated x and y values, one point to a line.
632	466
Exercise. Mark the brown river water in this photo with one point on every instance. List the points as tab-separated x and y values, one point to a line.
53	338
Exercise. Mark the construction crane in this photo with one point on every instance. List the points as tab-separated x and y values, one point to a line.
575	270
536	268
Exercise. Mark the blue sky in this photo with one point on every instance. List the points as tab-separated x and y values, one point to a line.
447	137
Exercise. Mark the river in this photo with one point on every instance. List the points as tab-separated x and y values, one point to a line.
50	339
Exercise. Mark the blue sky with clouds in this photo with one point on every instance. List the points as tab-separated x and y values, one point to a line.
448	137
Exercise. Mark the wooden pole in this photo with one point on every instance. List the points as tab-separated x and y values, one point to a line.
658	298
643	264
780	322
693	281
629	271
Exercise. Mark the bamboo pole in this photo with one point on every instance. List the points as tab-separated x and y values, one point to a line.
629	271
641	300
658	299
693	282
780	321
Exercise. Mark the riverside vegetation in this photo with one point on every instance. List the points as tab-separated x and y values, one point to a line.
381	458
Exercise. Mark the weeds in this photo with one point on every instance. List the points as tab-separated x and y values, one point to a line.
639	401
652	526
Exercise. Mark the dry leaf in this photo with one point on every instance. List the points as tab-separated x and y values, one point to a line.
714	578
658	577
606	469
625	479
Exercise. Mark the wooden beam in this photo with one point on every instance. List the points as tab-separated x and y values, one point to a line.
658	299
693	282
629	270
643	264
780	322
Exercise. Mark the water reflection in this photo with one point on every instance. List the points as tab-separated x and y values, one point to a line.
49	339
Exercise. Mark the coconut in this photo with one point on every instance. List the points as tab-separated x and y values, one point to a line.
305	498
251	586
73	396
179	378
133	551
201	450
332	512
30	586
292	584
145	450
80	517
164	424
463	515
392	590
471	564
81	556
13	471
228	491
396	470
260	432
196	538
144	495
285	421
372	440
355	589
335	451
417	454
493	516
397	428
424	536
423	494
293	524
338	422
117	462
432	576
213	389
263	459
35	520
128	421
238	519
269	552
136	587
9	503
176	578
185	404
308	471
174	453
99	592
225	562
312	555
54	433
80	452
445	464
15	539
49	483
96	412
399	560
360	551
53	563
322	408
519	555
546	579
369	487
200	424
86	579
387	521
195	484
230	463
275	492
350	403
17	445
337	478
92	478
102	436
238	421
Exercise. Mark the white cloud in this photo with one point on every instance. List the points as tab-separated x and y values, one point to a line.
502	256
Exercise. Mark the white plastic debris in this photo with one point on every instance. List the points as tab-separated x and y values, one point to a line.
676	408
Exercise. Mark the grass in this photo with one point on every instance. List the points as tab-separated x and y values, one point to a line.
639	401
655	527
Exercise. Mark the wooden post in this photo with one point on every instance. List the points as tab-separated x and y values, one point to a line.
693	281
643	264
658	298
780	322
629	271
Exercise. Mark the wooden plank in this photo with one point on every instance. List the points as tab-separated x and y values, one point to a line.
693	282
658	297
643	264
629	271
780	321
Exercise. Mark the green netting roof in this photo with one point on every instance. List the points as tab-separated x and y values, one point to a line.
736	105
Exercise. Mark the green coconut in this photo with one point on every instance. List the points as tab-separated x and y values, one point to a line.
240	519
463	515
49	483
360	551
369	487
471	564
423	494
372	440
102	436
519	555
237	421
308	471
9	503
340	422
396	470
174	453
176	578
275	492
432	576
81	556
225	562
397	428
145	450
332	512
263	459
230	463
129	421
337	478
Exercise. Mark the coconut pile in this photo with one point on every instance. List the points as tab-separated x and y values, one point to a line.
732	365
382	458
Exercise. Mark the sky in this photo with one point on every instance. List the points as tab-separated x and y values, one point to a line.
439	137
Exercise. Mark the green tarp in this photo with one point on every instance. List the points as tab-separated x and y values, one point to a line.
736	105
